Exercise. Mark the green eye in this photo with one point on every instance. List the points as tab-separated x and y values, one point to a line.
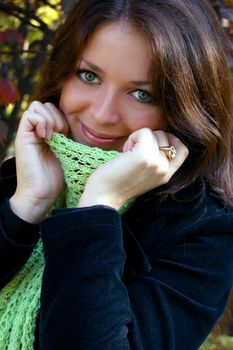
87	76
142	96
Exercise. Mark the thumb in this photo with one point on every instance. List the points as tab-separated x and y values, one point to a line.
128	145
141	139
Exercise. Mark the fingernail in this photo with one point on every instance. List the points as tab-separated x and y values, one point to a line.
49	134
44	133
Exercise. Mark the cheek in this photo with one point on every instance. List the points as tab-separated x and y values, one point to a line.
153	119
65	97
72	98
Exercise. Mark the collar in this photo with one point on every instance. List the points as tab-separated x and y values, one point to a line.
190	199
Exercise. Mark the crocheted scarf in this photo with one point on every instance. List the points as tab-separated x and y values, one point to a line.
20	298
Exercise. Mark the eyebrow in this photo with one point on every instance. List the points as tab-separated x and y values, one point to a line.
98	69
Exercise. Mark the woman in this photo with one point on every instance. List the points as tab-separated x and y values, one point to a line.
146	79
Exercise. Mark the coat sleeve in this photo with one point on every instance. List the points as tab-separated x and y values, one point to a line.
17	237
86	303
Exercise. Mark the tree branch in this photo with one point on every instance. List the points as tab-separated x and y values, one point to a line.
24	15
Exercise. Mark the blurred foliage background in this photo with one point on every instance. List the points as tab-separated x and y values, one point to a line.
26	30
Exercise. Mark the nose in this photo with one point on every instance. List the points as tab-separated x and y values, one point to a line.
105	107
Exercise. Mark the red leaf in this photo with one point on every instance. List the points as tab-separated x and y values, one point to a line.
12	37
2	36
9	92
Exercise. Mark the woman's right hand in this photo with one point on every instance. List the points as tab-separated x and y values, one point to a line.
39	174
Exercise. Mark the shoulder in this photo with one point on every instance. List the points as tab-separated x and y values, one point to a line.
197	202
214	214
197	214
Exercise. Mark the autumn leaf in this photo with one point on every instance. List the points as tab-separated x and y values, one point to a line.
9	92
12	37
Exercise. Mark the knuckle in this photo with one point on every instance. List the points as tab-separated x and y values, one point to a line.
145	132
35	104
59	127
24	115
163	173
50	106
159	133
166	178
147	163
148	132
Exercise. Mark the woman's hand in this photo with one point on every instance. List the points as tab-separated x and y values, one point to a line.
140	168
39	175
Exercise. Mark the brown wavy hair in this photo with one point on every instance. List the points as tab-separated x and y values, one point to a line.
190	77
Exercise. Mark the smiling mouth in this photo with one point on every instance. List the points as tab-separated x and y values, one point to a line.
98	138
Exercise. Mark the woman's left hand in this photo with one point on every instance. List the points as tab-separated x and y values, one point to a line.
141	167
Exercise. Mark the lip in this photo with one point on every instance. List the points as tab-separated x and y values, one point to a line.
98	138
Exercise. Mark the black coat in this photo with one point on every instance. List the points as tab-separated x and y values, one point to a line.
157	278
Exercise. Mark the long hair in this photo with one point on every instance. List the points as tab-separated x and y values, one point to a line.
191	81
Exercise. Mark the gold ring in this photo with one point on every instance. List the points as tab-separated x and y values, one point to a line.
170	151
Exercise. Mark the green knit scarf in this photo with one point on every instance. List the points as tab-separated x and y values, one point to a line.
20	298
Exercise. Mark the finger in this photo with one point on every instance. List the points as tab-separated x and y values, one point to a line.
146	151
168	139
141	144
40	108
34	122
61	124
146	144
182	153
141	139
128	145
162	140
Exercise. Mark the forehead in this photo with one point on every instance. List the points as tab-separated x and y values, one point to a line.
120	47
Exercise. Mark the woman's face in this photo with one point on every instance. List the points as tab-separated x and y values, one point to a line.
110	96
